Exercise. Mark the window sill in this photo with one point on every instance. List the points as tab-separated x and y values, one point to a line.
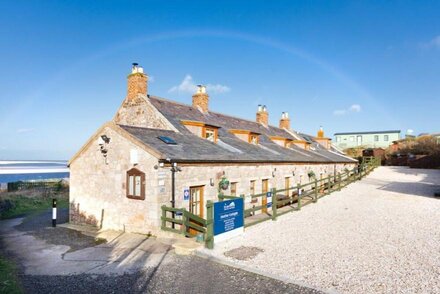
136	197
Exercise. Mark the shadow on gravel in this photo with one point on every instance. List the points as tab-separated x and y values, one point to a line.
39	225
186	274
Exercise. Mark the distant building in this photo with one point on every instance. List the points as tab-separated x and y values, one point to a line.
379	139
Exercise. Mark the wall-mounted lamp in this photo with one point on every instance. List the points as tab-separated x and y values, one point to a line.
105	139
211	182
102	142
273	172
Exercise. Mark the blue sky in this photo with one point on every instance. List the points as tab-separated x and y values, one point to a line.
348	66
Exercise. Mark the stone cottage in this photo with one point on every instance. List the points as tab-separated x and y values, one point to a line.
159	152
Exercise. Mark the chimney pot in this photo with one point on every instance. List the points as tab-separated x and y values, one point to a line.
201	89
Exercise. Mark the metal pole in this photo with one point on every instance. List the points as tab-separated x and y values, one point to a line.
54	213
173	193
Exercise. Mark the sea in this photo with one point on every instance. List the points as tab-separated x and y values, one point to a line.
28	170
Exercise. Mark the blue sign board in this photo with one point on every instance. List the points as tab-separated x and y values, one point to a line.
228	216
186	194
269	199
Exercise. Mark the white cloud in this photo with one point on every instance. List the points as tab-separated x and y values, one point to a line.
151	79
24	130
188	86
433	43
355	108
352	108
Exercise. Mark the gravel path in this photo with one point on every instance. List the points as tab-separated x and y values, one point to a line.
379	235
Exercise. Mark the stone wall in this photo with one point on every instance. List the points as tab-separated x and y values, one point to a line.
140	112
242	174
98	191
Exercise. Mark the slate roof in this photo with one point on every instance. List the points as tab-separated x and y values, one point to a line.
229	148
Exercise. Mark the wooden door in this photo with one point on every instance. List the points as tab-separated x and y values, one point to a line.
264	189
196	204
196	200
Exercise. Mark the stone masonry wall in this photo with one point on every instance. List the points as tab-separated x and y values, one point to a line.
141	113
242	174
98	190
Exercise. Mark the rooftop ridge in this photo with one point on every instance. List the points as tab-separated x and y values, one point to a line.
231	116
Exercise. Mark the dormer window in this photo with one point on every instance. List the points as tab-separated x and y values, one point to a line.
202	130
210	134
247	136
284	142
302	144
253	139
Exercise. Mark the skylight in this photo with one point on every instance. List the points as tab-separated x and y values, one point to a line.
167	140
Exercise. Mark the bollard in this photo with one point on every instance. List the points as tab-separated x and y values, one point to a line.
54	213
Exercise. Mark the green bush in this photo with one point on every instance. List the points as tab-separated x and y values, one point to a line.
8	278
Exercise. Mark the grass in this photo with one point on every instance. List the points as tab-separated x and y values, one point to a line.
28	202
8	277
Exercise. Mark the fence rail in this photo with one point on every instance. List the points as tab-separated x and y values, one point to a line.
294	198
189	224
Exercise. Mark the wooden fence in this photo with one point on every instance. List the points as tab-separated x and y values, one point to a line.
184	222
189	224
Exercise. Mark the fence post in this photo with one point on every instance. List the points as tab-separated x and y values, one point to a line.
316	190
209	225
339	181
274	204
184	221
244	206
164	215
329	184
299	195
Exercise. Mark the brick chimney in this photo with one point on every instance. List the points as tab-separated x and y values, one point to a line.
262	115
320	133
285	121
136	82
201	99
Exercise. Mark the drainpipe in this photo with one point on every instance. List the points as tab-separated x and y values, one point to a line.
174	170
173	192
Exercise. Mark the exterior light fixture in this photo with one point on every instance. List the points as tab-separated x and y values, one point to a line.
105	139
211	182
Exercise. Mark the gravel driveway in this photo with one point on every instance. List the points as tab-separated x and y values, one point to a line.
379	235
